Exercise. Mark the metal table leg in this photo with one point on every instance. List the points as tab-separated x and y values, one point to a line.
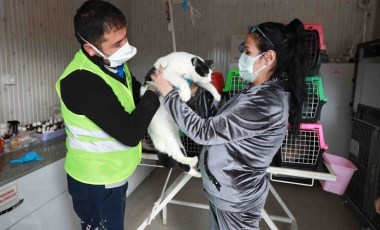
290	219
167	196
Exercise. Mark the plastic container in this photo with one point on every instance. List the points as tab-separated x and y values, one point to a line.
2	143
343	168
51	135
218	81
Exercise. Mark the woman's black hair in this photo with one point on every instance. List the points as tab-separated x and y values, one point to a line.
95	18
289	43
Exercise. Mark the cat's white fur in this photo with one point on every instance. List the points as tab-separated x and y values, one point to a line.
163	131
177	66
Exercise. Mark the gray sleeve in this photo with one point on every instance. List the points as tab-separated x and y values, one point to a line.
248	116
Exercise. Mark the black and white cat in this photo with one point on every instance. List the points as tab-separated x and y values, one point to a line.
180	68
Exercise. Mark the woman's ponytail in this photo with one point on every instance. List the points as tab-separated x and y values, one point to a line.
289	43
297	72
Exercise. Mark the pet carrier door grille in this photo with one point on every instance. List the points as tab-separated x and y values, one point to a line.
192	148
147	144
312	41
234	84
315	47
304	149
310	105
315	99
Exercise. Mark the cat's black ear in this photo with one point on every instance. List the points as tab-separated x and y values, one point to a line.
200	66
194	61
209	62
148	75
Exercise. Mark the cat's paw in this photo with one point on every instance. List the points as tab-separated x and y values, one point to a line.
185	95
217	97
193	172
192	161
184	91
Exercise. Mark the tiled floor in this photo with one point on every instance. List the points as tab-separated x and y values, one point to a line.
313	208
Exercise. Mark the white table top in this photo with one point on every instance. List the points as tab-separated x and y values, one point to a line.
281	171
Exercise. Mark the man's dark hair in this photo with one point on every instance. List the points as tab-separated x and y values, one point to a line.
95	18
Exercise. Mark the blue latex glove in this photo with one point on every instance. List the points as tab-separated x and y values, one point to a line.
27	157
189	81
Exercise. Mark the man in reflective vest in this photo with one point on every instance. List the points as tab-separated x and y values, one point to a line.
104	116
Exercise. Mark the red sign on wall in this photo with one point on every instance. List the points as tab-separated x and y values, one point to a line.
8	195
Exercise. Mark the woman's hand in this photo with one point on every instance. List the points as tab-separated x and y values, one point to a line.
193	88
159	83
377	205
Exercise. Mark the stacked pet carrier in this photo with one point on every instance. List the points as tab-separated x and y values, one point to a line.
234	84
304	149
192	148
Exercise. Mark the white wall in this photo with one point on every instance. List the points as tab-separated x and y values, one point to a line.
37	42
336	113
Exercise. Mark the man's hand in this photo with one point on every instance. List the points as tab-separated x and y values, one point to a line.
159	83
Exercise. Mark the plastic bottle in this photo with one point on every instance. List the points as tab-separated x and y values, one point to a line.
14	142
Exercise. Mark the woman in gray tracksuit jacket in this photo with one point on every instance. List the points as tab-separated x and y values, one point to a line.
244	135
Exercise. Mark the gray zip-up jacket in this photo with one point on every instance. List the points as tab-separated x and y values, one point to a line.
240	142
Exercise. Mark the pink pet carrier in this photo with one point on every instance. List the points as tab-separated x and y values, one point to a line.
315	47
304	149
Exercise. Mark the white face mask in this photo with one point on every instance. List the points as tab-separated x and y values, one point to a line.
246	67
120	56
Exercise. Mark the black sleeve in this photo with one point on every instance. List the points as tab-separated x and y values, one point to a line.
136	85
86	94
203	103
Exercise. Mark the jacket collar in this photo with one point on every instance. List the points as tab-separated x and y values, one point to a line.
99	62
282	84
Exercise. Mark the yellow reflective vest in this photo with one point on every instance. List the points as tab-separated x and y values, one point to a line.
94	157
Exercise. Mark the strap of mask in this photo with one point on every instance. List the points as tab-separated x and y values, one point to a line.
96	49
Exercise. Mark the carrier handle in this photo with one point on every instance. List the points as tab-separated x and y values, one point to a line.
289	182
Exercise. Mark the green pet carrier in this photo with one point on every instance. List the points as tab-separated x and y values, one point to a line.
315	99
234	84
